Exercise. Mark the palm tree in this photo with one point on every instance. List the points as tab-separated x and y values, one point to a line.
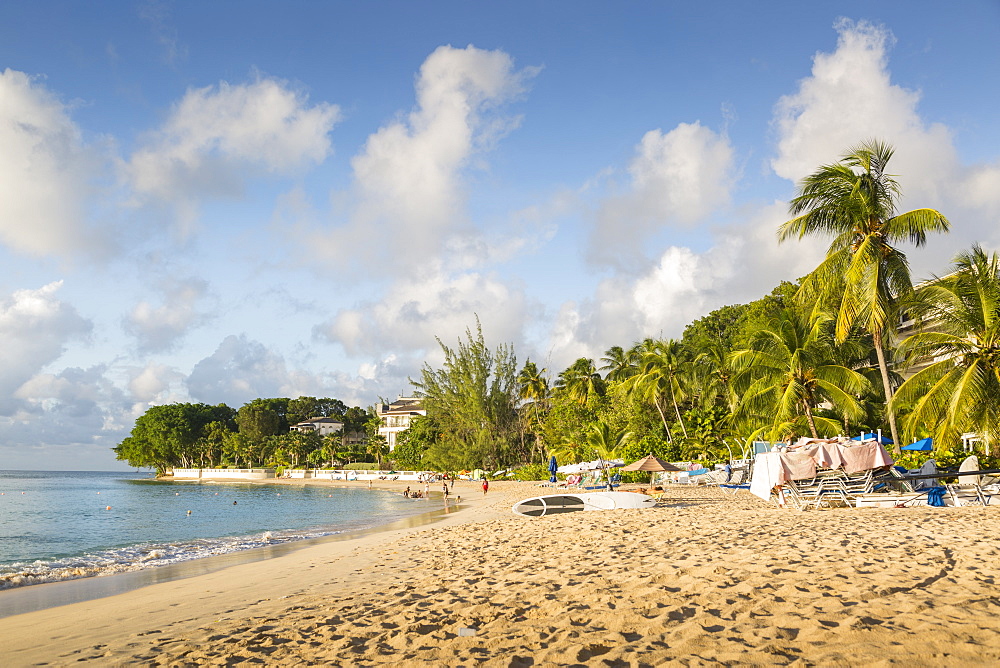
618	364
533	390
854	201
658	379
958	392
581	380
788	371
606	442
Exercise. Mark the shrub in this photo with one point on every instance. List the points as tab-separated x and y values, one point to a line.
534	472
361	466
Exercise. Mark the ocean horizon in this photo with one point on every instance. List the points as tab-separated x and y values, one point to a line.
67	525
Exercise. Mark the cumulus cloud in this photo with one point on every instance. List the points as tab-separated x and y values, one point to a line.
155	384
408	188
676	178
159	328
850	97
413	312
242	369
46	173
218	136
35	327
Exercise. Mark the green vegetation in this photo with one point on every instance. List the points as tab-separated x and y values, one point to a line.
186	435
819	357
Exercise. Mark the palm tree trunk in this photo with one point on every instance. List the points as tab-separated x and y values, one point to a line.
887	388
809	419
677	410
659	409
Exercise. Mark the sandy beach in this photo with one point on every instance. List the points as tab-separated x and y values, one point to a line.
708	578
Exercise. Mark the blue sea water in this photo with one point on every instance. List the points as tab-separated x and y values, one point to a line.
57	525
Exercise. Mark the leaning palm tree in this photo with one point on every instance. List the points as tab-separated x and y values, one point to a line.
787	371
659	379
864	274
958	391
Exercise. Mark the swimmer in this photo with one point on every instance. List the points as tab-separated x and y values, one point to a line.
189	512
234	503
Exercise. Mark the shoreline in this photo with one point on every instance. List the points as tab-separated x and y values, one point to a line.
44	595
709	578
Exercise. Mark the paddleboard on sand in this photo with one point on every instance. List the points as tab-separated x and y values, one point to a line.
553	504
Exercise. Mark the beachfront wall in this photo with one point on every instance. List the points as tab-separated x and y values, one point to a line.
223	474
364	475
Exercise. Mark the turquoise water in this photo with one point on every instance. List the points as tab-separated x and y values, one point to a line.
57	525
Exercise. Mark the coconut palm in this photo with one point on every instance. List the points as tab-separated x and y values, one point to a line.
618	363
607	442
533	390
581	380
864	274
958	391
787	371
658	379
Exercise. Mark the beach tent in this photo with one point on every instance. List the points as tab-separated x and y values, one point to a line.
924	445
884	440
651	464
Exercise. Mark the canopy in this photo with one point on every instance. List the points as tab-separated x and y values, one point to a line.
884	440
923	444
650	463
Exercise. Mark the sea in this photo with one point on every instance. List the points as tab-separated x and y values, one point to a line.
59	525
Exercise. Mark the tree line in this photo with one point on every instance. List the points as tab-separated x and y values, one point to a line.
196	435
819	357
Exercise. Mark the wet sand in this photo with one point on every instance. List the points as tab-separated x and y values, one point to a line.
707	579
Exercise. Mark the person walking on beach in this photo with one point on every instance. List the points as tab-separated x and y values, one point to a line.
486	486
445	488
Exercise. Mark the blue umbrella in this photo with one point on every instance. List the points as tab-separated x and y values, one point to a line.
552	468
884	440
923	444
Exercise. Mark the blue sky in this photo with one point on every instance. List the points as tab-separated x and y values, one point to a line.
219	201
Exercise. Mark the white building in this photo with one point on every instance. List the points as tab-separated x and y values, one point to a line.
321	425
397	416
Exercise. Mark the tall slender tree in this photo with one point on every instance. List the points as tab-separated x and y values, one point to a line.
864	274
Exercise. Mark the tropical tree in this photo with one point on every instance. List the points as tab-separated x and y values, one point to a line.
658	379
787	371
580	380
533	390
605	441
864	274
473	401
619	364
959	390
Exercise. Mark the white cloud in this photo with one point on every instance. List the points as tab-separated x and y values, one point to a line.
159	328
413	312
155	384
46	173
217	137
850	98
408	194
35	328
675	179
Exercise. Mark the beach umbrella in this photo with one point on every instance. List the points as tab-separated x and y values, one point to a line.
924	444
884	440
553	467
651	464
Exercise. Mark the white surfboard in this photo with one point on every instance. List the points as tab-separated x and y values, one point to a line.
553	504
